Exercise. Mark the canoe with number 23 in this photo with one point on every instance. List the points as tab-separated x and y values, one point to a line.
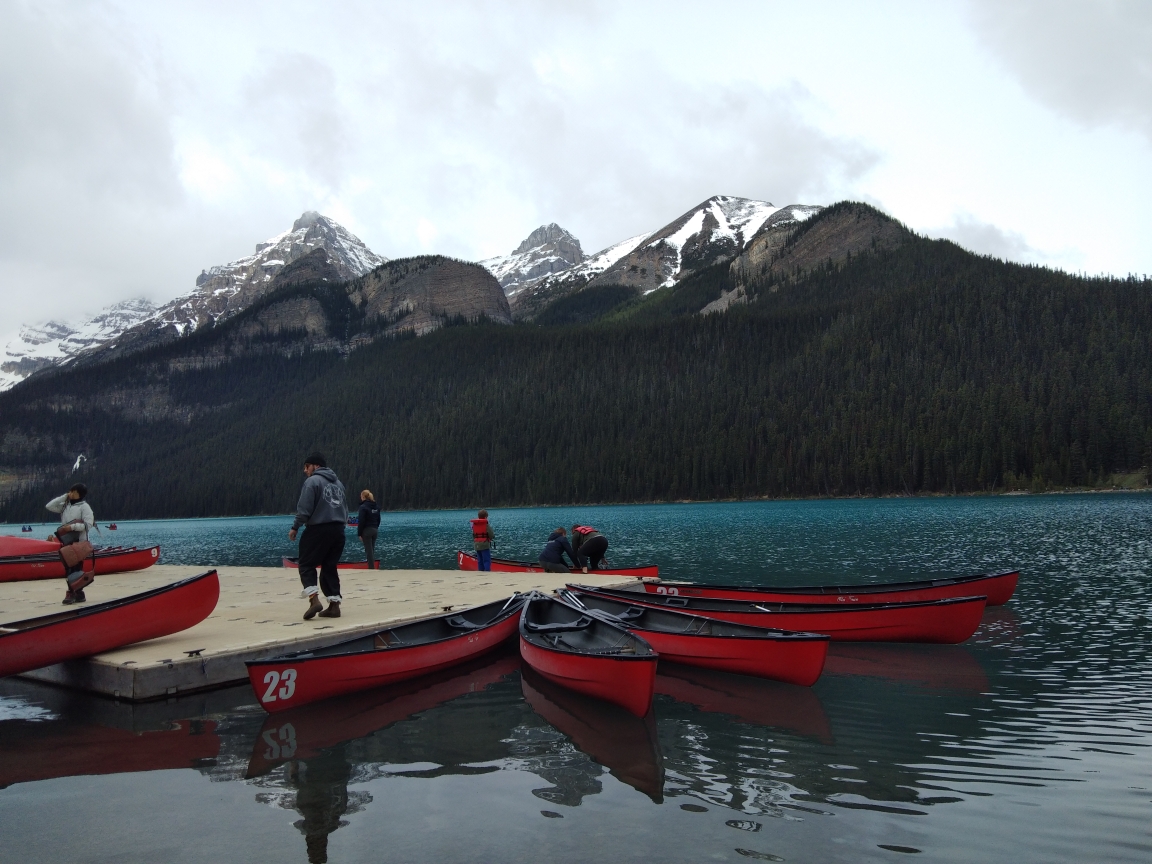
396	654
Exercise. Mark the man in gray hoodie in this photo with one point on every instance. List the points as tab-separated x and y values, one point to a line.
323	508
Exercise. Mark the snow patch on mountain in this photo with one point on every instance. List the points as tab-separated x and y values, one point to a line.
547	250
37	346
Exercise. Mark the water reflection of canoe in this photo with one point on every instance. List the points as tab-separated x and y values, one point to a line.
624	744
301	733
945	667
997	587
467	561
81	632
29	752
679	637
934	621
753	700
47	564
586	654
396	654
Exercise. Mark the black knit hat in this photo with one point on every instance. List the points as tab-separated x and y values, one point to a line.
317	459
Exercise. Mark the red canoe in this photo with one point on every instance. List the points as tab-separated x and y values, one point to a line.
115	559
586	654
89	630
997	587
626	745
397	654
939	621
11	547
294	563
467	561
795	658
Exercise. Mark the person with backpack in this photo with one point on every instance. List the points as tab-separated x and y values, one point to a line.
323	508
590	546
76	520
483	540
367	525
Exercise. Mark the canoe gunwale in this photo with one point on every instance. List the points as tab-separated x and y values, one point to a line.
538	640
834	590
511	607
769	634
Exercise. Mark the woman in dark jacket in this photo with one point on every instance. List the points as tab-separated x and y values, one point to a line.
368	524
551	559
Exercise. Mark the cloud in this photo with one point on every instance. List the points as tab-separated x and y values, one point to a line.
985	238
1089	60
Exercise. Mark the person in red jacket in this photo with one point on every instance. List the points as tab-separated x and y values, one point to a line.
483	539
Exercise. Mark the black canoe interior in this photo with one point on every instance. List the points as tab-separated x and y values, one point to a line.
548	623
707	604
96	608
423	632
836	590
666	621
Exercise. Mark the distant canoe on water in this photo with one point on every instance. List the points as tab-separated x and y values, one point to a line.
294	563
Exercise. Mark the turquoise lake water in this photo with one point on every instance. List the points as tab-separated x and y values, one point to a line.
1030	742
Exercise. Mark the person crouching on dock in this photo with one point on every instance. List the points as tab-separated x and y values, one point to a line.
323	508
552	558
76	520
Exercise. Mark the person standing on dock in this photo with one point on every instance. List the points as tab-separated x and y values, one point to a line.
590	546
367	525
483	539
323	508
552	558
76	520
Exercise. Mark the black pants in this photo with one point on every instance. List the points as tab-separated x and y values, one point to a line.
591	552
553	567
368	538
321	546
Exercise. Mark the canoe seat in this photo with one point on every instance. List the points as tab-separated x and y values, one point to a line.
459	622
632	613
581	623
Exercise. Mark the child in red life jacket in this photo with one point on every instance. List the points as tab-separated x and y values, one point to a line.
483	539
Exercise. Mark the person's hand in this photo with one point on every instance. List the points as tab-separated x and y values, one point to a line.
292	534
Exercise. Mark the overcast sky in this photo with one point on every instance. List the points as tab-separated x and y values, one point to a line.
142	142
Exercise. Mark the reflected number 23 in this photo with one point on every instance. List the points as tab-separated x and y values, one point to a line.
287	682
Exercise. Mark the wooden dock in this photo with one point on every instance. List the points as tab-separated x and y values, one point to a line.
259	615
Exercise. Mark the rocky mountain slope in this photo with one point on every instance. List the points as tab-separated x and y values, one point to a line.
226	289
221	291
719	229
38	346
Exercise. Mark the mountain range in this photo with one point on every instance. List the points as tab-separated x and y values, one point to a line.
549	264
742	350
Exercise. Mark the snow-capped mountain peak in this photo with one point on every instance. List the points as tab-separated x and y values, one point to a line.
37	346
547	250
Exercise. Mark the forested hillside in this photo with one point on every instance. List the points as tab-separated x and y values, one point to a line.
909	370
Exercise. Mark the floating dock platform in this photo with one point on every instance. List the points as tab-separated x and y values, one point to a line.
259	615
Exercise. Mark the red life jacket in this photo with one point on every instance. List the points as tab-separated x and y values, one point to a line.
585	530
479	530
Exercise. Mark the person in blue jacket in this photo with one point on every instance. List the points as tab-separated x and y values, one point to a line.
552	558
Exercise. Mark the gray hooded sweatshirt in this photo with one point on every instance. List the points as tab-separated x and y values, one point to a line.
321	500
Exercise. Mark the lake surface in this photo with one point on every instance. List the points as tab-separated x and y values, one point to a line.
1031	742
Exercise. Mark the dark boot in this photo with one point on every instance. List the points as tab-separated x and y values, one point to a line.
69	598
79	595
333	610
314	607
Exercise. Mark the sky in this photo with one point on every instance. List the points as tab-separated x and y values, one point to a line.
143	142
